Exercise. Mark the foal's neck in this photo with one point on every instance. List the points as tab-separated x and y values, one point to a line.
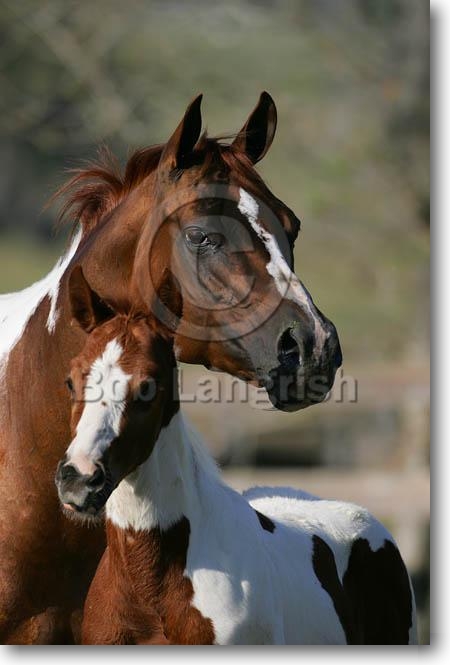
167	486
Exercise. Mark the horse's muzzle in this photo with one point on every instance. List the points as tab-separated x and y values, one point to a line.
82	493
304	372
300	371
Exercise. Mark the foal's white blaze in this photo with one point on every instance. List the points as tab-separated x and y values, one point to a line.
105	394
286	281
16	309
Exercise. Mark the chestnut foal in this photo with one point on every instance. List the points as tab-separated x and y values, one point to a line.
189	560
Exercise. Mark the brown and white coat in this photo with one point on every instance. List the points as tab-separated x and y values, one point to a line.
191	561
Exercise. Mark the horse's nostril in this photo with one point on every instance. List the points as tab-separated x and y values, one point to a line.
338	358
288	351
98	478
67	472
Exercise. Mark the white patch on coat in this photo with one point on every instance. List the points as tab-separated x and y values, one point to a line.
286	281
155	493
105	396
17	308
256	587
345	521
59	271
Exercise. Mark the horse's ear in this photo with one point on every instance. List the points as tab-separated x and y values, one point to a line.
256	136
178	149
88	309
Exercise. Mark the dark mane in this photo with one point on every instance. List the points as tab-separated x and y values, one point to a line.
101	185
98	187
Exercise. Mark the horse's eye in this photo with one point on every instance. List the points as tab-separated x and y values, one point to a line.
146	390
69	384
196	237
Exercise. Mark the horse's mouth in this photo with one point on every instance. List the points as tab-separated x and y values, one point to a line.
291	391
291	402
92	509
90	514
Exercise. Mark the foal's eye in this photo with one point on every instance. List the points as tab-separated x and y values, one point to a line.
196	237
146	390
69	384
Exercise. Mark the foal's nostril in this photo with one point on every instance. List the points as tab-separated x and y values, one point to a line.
98	478
67	472
288	351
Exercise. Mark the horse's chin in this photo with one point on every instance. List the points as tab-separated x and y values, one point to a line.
291	404
292	396
88	517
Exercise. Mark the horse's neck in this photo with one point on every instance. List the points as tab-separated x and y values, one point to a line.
106	254
170	485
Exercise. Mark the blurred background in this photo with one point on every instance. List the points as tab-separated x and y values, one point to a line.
351	158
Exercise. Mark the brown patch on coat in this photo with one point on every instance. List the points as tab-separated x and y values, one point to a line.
51	626
140	594
46	561
373	602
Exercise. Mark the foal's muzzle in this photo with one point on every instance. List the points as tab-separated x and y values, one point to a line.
82	493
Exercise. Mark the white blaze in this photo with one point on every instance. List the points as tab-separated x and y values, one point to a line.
286	281
105	394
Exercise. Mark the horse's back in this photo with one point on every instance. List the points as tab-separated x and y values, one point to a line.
353	558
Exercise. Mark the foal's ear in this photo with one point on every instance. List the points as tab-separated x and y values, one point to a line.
88	309
256	136
178	149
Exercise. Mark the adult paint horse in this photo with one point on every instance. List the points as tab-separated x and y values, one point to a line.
188	560
191	228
